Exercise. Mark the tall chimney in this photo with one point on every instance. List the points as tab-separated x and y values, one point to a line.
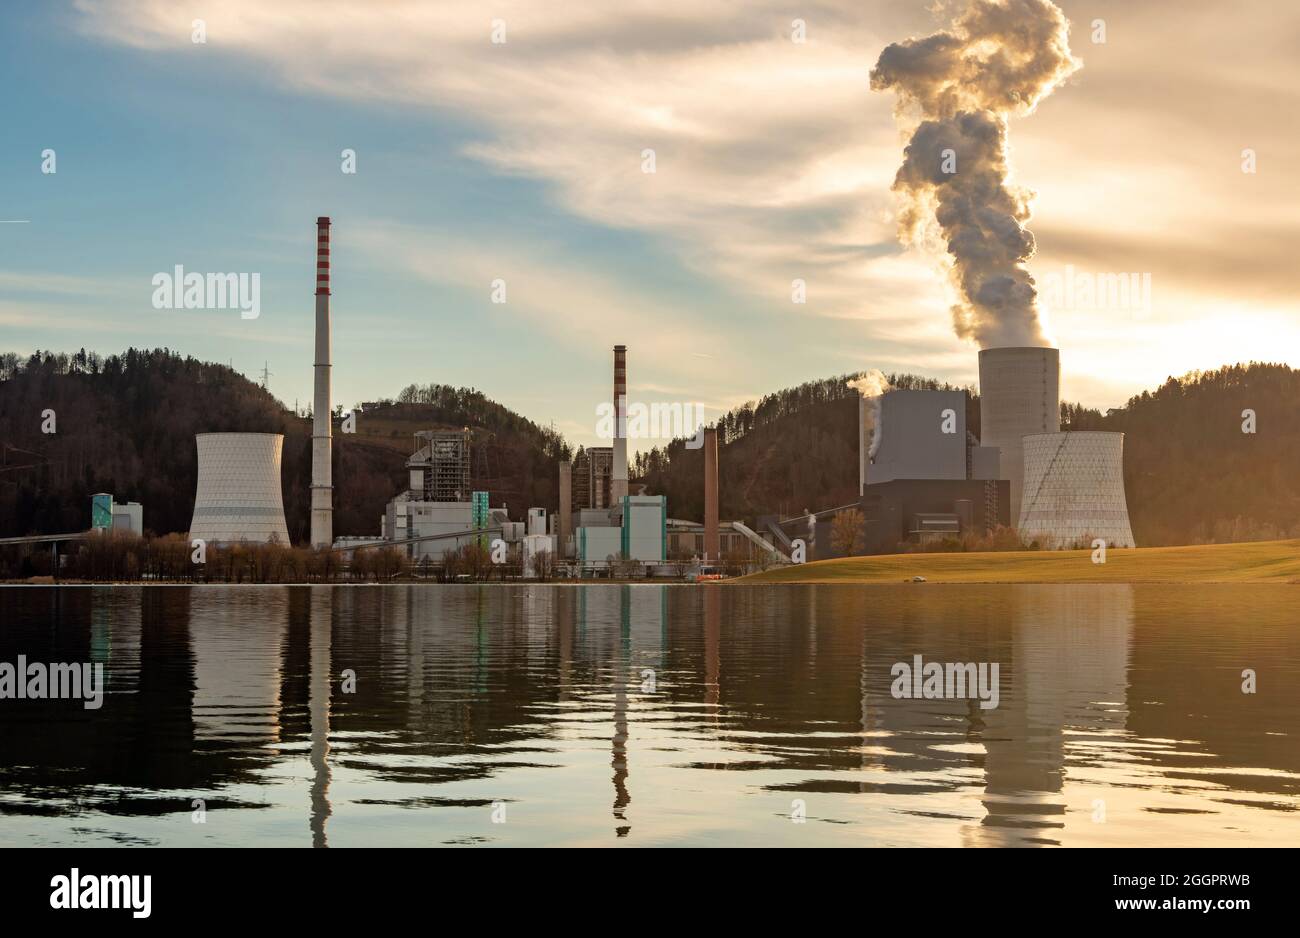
862	445
618	477
322	486
712	542
566	507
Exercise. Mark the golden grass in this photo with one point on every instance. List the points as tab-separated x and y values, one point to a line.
1258	561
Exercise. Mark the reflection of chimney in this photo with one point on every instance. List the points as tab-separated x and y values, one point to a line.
712	546
566	506
618	478
322	483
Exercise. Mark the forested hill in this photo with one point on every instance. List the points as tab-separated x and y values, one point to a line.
1191	474
125	424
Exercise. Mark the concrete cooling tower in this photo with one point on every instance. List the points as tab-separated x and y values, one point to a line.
1074	490
1020	393
238	496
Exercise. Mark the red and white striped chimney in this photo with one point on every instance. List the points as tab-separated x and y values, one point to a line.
322	481
618	475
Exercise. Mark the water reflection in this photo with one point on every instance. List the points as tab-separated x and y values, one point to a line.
654	715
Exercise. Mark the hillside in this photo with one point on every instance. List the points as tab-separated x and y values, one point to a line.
1261	561
126	425
1191	474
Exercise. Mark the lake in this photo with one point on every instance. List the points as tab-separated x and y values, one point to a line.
426	715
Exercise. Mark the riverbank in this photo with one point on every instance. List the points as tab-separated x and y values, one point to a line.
1258	561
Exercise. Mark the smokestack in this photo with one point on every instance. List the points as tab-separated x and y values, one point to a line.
871	387
1020	394
712	542
618	477
322	483
862	446
566	506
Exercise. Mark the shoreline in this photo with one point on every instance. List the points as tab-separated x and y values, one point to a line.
1255	562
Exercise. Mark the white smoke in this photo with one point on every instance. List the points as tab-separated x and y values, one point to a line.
872	385
1000	58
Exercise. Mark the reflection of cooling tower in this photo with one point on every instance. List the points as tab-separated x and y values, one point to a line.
238	496
1020	393
1074	489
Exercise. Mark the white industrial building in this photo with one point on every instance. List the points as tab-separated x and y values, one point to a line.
1074	490
238	497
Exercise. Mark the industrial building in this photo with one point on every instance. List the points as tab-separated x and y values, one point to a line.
106	514
735	539
922	435
1074	490
611	524
238	496
592	475
929	478
921	511
438	512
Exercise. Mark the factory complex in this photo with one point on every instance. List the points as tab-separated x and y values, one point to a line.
924	477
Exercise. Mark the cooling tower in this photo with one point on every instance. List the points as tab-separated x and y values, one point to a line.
1020	394
1074	490
238	494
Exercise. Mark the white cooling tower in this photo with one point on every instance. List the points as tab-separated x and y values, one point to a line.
238	496
1020	393
1074	490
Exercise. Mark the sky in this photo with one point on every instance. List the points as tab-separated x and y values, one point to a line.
524	161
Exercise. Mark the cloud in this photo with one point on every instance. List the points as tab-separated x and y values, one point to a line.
774	159
768	164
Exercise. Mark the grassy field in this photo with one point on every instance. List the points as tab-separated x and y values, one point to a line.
1259	561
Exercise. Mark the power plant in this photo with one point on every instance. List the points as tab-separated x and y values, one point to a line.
923	477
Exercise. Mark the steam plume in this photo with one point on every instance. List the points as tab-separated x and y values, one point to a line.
1000	58
872	385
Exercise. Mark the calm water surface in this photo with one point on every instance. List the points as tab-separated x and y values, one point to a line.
654	715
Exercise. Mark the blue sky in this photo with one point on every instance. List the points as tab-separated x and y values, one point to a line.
523	161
